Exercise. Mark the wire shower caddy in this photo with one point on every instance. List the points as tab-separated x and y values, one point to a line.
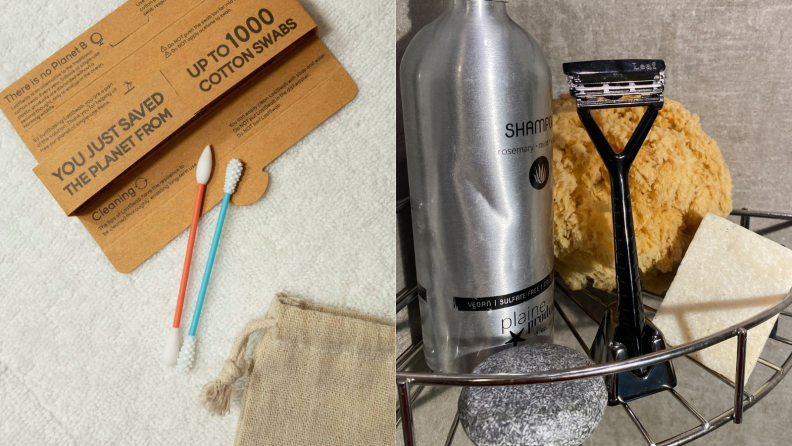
410	384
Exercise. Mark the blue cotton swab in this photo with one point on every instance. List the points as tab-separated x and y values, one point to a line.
187	352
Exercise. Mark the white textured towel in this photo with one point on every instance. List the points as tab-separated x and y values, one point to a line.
80	343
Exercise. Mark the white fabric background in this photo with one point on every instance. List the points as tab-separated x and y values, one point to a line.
80	343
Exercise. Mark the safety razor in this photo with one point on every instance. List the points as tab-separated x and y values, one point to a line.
624	331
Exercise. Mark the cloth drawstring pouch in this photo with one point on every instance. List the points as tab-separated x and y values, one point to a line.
319	376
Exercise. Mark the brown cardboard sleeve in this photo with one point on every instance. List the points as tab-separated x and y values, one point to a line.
126	137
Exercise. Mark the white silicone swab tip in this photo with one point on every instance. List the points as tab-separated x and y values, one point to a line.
204	169
172	346
187	354
233	174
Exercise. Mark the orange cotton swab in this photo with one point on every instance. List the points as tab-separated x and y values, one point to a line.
202	172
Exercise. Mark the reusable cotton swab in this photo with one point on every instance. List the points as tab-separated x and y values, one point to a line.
202	172
187	353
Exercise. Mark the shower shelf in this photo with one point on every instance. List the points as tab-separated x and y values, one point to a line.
410	384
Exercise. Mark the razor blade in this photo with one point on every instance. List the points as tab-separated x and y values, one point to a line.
605	83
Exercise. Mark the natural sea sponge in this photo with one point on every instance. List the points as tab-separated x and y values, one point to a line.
678	176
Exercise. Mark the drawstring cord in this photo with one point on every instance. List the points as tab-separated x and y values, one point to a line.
216	395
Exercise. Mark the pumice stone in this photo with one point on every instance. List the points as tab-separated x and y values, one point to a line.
553	414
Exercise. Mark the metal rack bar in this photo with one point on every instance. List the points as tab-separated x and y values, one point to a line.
762	214
600	301
762	387
405	297
450	437
704	422
407	354
414	396
742	399
568	293
720	377
723	418
638	424
745	220
654	295
739	377
408	427
470	379
781	339
400	362
720	420
769	364
595	297
703	426
572	328
780	373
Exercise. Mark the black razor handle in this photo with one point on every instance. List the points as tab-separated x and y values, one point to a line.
628	282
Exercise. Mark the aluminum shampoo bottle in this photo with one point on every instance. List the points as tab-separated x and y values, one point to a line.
476	98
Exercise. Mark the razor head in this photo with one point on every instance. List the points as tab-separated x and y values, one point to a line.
604	83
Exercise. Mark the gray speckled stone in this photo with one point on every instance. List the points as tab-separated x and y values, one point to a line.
554	414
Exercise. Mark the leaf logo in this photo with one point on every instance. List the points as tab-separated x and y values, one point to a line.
540	173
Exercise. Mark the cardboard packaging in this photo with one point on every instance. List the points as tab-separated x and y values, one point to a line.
118	118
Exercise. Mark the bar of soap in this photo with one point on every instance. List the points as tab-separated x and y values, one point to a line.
728	274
